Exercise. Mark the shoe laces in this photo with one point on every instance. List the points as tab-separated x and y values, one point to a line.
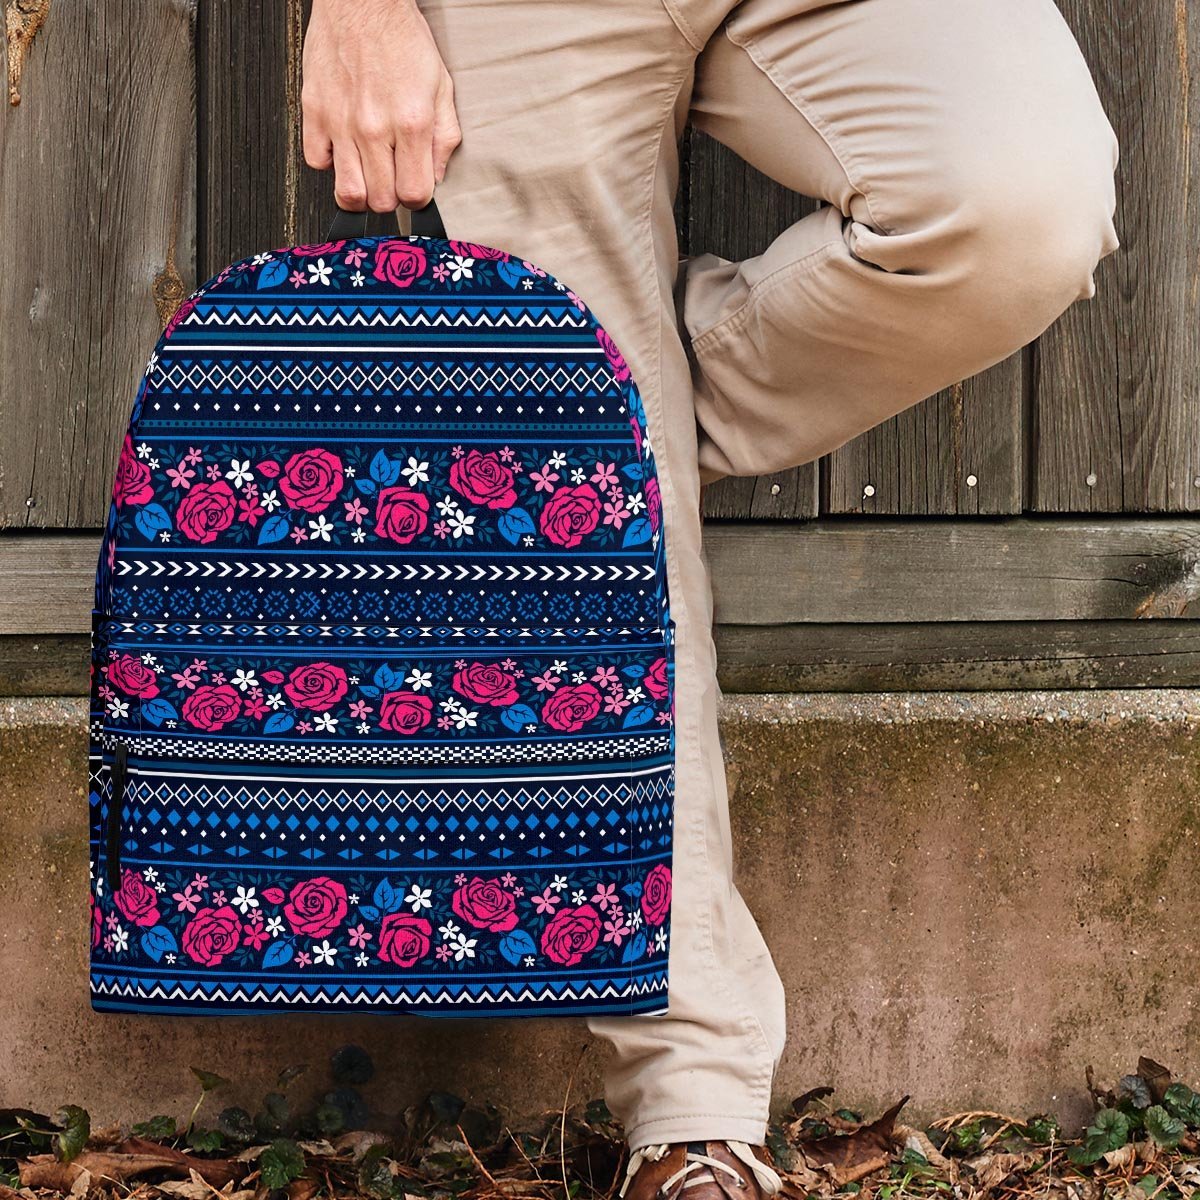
699	1167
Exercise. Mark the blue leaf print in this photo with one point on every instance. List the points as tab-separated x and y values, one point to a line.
387	679
387	897
635	948
157	941
517	716
278	953
368	689
637	532
157	711
514	946
634	471
368	912
513	523
273	274
511	272
639	714
633	890
368	487
274	529
384	470
279	722
152	520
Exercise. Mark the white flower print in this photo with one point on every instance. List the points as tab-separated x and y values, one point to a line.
579	897
560	883
357	279
361	960
244	680
419	898
275	700
463	947
462	525
269	500
419	679
557	459
321	529
415	472
118	709
460	267
465	718
326	722
660	939
245	900
324	953
274	926
239	472
448	930
320	272
120	939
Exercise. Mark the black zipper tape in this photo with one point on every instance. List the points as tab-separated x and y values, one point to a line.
116	801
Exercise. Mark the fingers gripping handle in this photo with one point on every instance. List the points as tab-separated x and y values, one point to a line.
426	222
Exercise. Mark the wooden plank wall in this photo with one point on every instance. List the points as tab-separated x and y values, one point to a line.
97	221
1101	415
126	176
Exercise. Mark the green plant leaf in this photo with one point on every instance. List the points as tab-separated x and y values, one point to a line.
74	1128
236	1124
280	1163
375	1172
1136	1090
209	1080
157	1129
206	1141
1180	1101
1043	1129
1165	1129
352	1065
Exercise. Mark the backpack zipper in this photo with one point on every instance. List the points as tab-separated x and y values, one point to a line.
112	855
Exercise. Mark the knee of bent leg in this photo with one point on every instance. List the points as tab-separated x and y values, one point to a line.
1027	234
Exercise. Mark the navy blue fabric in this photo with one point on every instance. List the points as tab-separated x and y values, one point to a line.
383	662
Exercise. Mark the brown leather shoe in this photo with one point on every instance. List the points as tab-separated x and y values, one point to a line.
701	1171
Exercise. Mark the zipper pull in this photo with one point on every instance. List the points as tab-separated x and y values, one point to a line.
116	775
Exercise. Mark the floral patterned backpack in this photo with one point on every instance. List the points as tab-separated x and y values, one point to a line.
382	667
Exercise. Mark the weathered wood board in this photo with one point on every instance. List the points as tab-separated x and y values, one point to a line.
97	215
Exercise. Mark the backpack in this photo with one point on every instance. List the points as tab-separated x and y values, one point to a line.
382	688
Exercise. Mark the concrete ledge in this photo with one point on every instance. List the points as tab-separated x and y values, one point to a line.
970	897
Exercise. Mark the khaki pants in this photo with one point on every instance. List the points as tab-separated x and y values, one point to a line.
967	167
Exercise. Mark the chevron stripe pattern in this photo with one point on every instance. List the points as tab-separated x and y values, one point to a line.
382	704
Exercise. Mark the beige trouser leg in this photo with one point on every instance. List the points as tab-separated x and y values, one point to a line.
963	140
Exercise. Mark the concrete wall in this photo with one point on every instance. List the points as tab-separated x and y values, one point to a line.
970	897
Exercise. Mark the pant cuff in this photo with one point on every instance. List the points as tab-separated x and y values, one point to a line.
698	1127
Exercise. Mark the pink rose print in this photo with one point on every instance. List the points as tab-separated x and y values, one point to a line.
571	934
132	484
405	712
319	250
401	514
311	480
653	503
404	940
486	905
97	921
211	707
317	686
484	479
656	681
137	900
479	253
571	707
656	895
616	360
486	683
399	263
212	934
206	510
316	907
571	514
132	676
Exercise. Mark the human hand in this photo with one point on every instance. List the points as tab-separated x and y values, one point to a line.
377	103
